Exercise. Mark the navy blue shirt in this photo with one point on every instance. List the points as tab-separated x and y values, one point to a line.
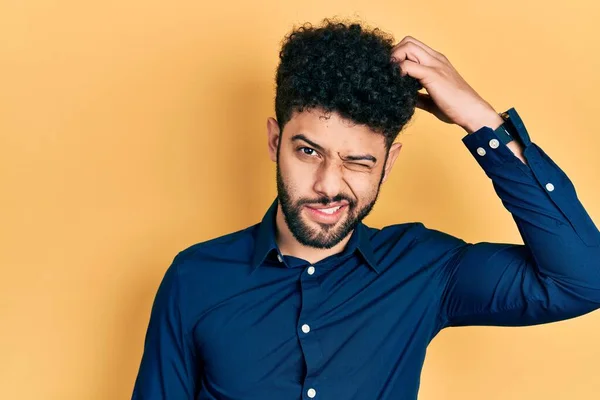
235	319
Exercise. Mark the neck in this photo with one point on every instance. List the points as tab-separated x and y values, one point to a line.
289	245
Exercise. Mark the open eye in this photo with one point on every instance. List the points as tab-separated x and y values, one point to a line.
307	151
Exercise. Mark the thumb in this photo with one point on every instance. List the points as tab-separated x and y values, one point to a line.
425	102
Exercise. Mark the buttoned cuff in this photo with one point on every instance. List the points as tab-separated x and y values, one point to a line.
502	166
488	149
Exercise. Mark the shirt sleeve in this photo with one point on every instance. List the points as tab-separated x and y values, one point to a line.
554	275
169	366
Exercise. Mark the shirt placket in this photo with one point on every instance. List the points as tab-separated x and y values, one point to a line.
307	330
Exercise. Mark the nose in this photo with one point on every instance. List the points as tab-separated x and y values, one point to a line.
328	180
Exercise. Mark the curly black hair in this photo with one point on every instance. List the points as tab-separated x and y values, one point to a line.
344	68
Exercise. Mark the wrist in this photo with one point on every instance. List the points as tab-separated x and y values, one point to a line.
488	117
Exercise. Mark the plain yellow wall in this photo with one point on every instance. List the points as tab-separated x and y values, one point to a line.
132	129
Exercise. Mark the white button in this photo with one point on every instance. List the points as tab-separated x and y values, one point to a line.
311	393
305	328
494	143
481	151
279	258
311	270
549	187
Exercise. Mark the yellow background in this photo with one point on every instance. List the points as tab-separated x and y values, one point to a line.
132	129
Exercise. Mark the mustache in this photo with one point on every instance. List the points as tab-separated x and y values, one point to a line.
324	200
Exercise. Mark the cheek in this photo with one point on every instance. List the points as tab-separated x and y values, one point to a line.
363	186
296	175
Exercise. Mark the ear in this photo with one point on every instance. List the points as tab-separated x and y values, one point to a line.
392	155
273	136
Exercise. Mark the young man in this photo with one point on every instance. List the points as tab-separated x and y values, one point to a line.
310	303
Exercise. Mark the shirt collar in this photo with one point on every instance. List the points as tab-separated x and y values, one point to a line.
265	240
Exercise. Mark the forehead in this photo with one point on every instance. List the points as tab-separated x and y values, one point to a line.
331	130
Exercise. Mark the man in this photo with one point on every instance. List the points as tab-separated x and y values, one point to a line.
310	303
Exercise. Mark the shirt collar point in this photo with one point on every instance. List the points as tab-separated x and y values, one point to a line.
366	248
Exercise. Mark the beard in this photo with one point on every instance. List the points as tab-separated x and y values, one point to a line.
325	236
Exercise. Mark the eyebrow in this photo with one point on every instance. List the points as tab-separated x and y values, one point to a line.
359	157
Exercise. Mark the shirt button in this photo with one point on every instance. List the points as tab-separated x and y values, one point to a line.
549	187
494	143
279	258
311	393
481	151
311	270
305	328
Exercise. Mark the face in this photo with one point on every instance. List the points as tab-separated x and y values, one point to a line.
329	171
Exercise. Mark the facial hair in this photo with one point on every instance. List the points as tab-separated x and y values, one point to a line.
325	236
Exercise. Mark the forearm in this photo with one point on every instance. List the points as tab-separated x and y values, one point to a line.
555	227
555	275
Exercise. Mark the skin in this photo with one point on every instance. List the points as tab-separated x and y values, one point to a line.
312	159
448	96
314	172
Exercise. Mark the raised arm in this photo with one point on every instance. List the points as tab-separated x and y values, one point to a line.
556	274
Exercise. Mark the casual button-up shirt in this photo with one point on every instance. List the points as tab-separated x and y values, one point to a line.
234	318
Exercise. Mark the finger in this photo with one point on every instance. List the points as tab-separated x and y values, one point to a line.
415	69
428	49
413	52
411	39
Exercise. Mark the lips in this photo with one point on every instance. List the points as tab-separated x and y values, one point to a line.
328	206
328	214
